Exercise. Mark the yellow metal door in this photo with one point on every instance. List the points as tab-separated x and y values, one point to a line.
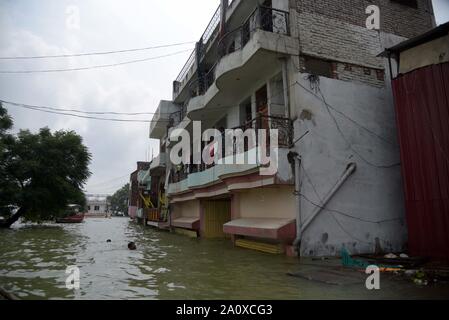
216	214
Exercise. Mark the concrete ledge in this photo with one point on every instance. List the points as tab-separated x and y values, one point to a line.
192	223
283	230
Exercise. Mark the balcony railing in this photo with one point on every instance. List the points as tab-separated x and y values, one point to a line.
211	29
261	122
264	122
183	75
262	18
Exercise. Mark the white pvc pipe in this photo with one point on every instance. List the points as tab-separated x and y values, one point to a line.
348	172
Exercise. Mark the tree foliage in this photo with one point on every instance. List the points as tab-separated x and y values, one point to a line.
119	200
40	173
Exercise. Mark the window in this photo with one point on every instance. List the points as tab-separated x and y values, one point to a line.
408	3
367	71
88	208
97	208
318	67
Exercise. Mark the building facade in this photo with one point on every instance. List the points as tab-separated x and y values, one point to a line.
134	202
97	206
311	70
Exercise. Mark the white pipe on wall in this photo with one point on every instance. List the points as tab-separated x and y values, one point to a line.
348	172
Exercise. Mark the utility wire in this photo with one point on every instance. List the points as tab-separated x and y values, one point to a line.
316	87
84	117
322	207
92	67
96	53
78	110
109	181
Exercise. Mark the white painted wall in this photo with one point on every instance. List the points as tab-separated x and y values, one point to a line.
370	193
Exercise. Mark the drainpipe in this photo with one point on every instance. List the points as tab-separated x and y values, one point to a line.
297	242
348	172
285	85
295	160
223	9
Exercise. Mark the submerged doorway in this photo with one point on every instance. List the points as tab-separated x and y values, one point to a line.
215	214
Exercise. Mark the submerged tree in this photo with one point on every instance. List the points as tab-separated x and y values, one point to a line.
119	200
40	174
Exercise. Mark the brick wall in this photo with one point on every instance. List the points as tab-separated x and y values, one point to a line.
395	18
336	31
371	76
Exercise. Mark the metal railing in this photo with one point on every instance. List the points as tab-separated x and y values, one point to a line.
153	214
262	18
184	72
265	18
211	27
260	122
207	35
266	122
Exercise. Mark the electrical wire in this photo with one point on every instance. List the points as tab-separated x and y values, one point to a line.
350	144
80	111
83	117
109	181
92	67
96	53
329	211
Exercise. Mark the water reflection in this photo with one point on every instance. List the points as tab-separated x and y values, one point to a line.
33	267
33	260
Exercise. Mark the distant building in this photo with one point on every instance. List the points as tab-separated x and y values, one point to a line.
97	205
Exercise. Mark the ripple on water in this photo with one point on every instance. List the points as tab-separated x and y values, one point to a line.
33	260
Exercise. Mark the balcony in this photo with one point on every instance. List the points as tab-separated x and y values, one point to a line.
246	54
197	75
166	115
185	178
189	70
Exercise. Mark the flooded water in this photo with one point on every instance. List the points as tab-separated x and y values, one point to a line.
33	260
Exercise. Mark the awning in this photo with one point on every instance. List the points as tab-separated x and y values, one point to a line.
192	223
267	228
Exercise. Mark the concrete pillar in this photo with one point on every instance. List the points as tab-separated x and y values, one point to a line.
223	9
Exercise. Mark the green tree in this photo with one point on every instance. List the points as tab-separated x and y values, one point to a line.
40	174
119	200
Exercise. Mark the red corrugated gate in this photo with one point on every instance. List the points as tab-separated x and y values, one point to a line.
422	108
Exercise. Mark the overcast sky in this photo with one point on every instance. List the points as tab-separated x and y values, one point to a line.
49	27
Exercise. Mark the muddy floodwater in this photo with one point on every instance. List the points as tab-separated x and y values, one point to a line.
34	258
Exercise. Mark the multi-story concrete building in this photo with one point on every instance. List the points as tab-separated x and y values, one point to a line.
311	70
